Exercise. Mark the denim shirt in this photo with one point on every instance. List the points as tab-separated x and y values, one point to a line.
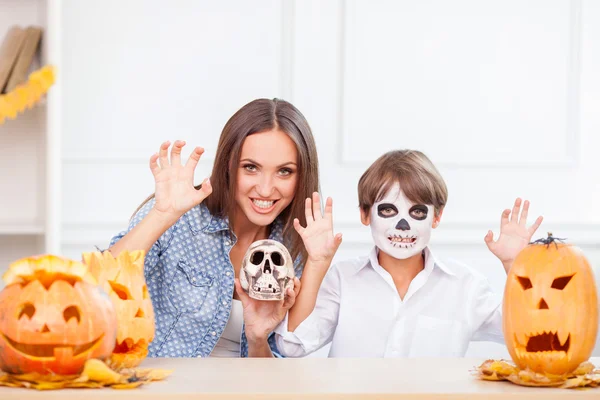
190	280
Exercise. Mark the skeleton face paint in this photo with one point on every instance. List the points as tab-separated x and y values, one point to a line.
267	270
399	227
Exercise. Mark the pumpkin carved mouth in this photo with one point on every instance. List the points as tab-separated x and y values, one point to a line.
547	341
52	350
129	346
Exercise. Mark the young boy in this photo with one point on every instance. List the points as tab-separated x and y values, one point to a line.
398	301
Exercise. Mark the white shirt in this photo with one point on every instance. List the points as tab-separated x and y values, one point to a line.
229	342
359	310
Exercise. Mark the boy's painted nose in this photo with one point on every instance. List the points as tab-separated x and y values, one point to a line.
403	225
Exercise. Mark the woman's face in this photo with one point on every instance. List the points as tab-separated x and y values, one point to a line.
267	176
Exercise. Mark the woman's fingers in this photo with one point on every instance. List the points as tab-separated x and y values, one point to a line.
176	152
154	167
204	191
163	155
191	163
244	298
291	294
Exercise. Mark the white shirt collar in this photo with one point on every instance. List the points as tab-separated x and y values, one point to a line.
430	262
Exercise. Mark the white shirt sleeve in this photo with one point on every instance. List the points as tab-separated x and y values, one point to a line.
318	328
485	312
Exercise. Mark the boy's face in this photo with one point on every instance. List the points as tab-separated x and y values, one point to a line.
399	227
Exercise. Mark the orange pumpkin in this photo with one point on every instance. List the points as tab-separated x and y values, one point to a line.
123	279
53	317
550	308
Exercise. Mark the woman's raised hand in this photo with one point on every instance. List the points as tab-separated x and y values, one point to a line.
175	193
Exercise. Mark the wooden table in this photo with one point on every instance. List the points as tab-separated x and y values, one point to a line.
314	378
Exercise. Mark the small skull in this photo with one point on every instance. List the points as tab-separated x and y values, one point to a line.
267	270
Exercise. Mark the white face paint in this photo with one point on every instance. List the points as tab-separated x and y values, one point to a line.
399	227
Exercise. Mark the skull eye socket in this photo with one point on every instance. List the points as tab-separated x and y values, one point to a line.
525	282
277	258
257	257
71	312
26	309
560	283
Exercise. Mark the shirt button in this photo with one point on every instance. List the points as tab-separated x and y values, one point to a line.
227	273
193	280
199	356
213	333
227	243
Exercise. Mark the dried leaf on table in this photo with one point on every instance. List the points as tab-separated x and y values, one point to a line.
95	374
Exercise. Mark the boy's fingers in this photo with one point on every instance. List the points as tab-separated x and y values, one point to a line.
298	227
316	205
515	211
504	217
489	239
524	212
308	211
536	225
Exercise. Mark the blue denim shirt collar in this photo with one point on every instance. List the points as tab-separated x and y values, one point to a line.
199	219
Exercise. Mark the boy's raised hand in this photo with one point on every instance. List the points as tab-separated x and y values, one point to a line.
514	234
318	237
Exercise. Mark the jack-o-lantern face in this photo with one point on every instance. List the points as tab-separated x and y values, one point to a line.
550	309
53	317
123	279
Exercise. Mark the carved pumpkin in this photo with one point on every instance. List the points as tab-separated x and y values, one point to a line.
53	317
123	279
550	309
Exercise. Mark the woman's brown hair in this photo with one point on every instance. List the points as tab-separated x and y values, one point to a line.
259	116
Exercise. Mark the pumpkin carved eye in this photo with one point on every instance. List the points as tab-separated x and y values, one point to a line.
525	282
26	309
145	294
72	312
560	283
121	290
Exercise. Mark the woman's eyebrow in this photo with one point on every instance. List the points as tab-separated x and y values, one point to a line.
287	163
259	165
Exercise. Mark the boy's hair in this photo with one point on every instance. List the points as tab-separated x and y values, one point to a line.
419	179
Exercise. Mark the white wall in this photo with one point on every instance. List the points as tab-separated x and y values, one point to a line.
504	96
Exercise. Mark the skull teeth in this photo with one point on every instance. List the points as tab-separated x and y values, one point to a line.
402	239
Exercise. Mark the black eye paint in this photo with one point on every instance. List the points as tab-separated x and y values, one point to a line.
418	212
387	210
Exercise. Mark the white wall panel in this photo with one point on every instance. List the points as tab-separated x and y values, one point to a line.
502	95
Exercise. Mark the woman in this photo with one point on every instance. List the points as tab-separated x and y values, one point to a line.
195	237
